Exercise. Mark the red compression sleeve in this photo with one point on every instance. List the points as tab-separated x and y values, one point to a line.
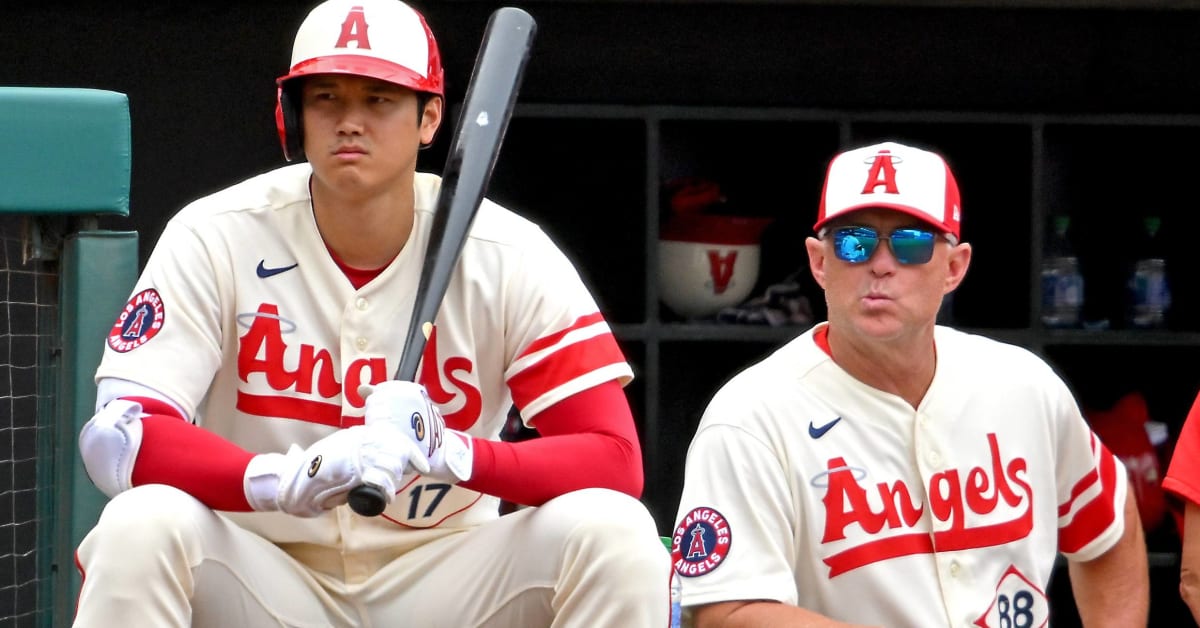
587	440
194	460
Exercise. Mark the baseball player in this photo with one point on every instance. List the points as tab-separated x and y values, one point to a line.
882	470
244	391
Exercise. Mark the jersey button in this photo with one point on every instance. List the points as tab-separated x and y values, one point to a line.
361	343
934	458
955	569
361	304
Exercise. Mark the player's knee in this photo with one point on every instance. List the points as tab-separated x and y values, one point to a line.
604	522
148	515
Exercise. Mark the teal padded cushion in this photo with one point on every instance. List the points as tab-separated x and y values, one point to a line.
64	151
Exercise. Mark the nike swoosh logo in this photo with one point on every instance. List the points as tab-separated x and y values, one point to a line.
265	272
818	432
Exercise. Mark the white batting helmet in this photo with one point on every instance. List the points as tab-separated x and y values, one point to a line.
382	39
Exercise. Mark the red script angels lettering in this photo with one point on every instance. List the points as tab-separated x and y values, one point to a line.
262	350
951	498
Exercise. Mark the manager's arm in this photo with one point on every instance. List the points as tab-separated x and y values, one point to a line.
1189	567
1113	589
761	614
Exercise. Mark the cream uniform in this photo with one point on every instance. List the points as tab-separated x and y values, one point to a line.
873	512
243	319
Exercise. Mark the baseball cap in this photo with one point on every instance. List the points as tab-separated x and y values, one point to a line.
383	39
892	176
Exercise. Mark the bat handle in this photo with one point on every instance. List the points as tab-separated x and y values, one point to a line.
367	500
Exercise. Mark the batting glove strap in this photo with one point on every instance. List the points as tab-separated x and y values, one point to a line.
263	477
455	459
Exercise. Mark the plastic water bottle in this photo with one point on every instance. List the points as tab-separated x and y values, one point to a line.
1062	283
676	590
676	601
1149	292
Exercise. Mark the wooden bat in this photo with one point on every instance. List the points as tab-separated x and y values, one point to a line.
487	108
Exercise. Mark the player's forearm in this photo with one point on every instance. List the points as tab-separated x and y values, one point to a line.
1114	588
535	471
176	453
761	614
587	440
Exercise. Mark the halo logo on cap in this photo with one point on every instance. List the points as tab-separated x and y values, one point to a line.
892	176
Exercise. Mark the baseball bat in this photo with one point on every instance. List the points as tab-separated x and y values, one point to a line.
488	106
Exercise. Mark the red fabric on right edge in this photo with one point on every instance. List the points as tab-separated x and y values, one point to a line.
1183	473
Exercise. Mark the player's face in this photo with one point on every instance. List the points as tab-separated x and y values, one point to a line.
361	135
881	297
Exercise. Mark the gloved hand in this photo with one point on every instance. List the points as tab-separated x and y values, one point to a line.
407	407
307	482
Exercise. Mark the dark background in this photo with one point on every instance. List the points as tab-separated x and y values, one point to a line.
200	79
200	74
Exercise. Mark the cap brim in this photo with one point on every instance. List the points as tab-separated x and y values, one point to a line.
911	211
361	65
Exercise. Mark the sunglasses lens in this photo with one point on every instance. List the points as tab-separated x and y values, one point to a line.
912	246
855	244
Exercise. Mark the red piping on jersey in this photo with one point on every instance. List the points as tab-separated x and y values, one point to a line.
1094	517
547	341
567	363
435	523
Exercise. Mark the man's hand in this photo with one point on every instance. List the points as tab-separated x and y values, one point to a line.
307	482
406	407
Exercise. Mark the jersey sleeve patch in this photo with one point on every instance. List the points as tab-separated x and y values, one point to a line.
140	320
700	543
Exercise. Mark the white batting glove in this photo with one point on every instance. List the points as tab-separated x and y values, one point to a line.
406	406
307	482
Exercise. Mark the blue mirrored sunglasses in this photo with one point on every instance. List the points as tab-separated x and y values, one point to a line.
909	246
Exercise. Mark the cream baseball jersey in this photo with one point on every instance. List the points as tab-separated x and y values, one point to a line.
806	486
243	319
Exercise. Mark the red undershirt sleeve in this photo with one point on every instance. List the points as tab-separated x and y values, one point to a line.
587	440
194	460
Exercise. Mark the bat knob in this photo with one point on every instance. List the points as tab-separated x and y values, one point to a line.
367	501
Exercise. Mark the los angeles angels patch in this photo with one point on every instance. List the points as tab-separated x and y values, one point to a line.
139	321
700	542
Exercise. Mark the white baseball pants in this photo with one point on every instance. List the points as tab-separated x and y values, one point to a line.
159	558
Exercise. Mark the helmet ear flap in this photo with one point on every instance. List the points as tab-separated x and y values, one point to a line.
287	121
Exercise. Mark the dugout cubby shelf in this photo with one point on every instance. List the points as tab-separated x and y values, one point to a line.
600	170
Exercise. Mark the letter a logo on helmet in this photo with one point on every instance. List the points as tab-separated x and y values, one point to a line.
383	39
354	30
